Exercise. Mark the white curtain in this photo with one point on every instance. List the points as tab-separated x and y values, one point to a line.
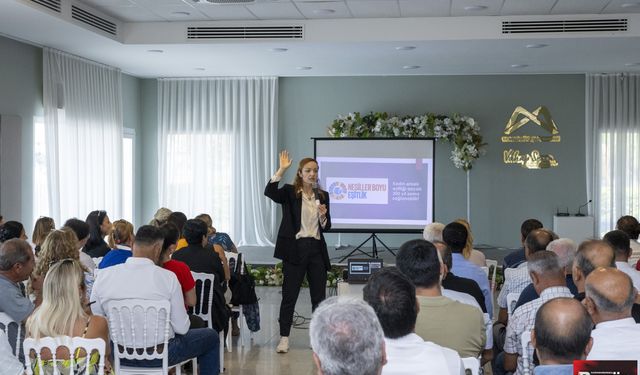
83	122
613	147
217	150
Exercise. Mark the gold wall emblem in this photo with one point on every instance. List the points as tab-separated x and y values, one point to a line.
534	159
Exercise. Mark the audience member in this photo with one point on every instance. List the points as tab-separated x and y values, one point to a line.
591	254
217	238
179	219
441	320
474	256
161	217
455	235
16	264
565	249
99	228
561	334
609	297
456	283
12	229
44	225
120	241
619	241
631	227
515	258
62	313
196	256
549	281
139	278
81	229
346	338
433	232
393	298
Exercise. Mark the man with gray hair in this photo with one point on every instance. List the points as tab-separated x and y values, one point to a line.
609	298
346	338
565	249
549	282
433	232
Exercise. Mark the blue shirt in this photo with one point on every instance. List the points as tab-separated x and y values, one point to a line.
553	370
223	240
463	268
514	259
115	256
529	293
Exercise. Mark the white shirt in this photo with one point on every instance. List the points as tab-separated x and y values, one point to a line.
632	272
309	218
635	252
616	339
515	280
523	320
140	278
469	300
410	354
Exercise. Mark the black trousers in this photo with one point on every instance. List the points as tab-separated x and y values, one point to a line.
311	264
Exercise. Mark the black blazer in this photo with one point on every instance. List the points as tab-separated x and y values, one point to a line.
291	218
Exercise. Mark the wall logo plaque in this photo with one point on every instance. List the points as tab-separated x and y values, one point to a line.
543	122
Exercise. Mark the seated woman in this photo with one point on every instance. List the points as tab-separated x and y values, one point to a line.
217	238
121	241
99	227
81	229
474	256
41	229
12	229
62	313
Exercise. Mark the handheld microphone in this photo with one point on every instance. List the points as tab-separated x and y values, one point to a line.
580	208
316	194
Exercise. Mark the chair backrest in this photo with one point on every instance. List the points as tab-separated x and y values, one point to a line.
140	330
72	344
5	322
525	340
512	299
97	261
492	263
204	284
472	364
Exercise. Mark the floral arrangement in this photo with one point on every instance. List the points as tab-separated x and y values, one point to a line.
462	131
272	275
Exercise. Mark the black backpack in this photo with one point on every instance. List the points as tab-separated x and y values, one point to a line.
242	284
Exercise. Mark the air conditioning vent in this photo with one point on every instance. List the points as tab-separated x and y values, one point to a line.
246	32
93	20
53	5
564	26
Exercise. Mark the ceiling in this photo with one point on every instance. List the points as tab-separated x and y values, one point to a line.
340	38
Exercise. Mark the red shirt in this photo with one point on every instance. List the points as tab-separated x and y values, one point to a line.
183	273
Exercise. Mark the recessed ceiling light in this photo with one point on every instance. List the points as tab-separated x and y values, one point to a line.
304	68
632	64
405	48
278	49
519	65
155	50
630	5
536	45
181	13
411	67
201	69
475	7
324	11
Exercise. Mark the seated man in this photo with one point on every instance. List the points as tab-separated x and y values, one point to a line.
346	338
619	240
16	265
393	298
608	299
517	257
549	281
140	278
562	334
195	255
441	320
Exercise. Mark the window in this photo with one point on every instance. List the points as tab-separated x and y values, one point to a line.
40	179
128	169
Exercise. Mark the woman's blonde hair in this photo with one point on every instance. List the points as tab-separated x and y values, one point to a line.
466	251
41	229
61	301
122	232
59	244
206	218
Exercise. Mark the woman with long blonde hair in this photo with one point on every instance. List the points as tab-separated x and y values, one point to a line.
62	313
41	230
474	256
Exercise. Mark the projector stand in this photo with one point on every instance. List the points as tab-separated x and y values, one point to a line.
374	248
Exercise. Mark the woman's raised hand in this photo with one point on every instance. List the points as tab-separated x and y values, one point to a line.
285	160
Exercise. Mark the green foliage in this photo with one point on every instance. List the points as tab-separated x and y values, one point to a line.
272	275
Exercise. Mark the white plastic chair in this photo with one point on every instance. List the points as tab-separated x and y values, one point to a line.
512	299
5	322
72	344
131	341
202	308
492	279
525	340
472	364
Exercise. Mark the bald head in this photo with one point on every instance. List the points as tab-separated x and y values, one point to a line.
611	292
537	240
593	254
562	331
